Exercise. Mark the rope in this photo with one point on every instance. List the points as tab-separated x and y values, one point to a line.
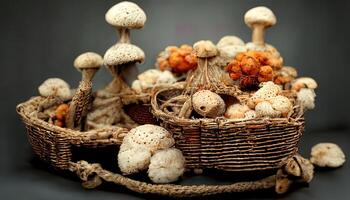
93	174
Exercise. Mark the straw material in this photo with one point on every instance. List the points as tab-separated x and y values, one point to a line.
228	144
92	174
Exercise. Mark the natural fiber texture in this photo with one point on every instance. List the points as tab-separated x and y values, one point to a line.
228	144
92	174
53	144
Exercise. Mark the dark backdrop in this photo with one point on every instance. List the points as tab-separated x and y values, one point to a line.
40	39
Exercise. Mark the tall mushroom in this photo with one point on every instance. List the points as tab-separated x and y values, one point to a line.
87	63
258	19
204	76
117	58
124	16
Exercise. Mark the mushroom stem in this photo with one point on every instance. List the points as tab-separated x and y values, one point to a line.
124	35
258	34
118	85
88	74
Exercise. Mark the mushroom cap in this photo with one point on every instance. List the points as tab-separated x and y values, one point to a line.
55	87
304	82
205	49
150	76
236	111
289	71
230	40
265	109
148	136
260	15
327	155
122	53
306	98
208	104
282	104
127	15
88	60
166	166
133	160
267	91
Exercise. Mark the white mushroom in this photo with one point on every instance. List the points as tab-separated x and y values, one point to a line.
267	91
259	18
204	49
133	160
124	16
55	87
327	155
304	82
250	114
282	104
88	63
265	109
166	77
208	104
166	166
150	76
236	111
306	98
230	40
149	136
116	58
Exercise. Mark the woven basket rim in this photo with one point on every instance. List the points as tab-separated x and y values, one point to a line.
72	135
206	121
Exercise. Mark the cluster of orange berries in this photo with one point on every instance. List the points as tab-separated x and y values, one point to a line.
253	67
177	59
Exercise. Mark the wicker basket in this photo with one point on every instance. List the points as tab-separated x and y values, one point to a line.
54	144
231	145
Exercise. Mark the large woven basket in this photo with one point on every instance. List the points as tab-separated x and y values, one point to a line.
231	145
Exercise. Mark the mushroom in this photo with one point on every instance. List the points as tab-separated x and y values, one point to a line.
208	104
265	109
228	47
306	98
282	104
116	58
124	16
55	87
204	50
229	40
304	82
149	136
285	75
133	160
267	91
140	144
327	155
259	18
88	64
236	111
166	166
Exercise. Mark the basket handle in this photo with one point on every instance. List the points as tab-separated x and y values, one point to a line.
93	174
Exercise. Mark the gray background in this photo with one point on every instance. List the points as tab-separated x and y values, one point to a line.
40	39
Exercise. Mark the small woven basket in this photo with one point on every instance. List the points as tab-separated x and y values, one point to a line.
231	145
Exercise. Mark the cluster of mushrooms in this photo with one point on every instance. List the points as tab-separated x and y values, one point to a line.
253	73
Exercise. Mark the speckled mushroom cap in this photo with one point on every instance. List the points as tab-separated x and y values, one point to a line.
205	49
88	60
126	14
208	104
260	15
230	40
149	136
55	87
123	53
